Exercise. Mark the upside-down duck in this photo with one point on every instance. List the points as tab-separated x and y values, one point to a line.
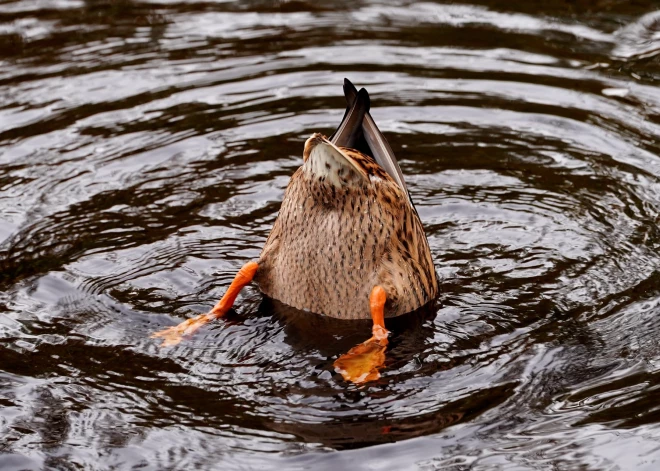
347	242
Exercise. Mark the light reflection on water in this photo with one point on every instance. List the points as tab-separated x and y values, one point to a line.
144	150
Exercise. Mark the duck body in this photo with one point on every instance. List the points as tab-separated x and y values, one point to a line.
344	227
347	242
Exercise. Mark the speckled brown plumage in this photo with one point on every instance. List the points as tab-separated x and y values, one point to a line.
347	242
344	227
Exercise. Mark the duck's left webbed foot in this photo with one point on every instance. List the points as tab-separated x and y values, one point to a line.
362	362
173	335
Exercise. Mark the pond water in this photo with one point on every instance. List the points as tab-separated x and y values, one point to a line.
144	151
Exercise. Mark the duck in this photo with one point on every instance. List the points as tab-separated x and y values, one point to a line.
347	242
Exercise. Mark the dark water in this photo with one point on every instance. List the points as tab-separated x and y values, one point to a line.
144	150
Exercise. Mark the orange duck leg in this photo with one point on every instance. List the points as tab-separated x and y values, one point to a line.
362	362
173	335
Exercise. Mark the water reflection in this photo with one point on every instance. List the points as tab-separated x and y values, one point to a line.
145	147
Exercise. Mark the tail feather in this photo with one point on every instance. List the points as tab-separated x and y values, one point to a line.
350	130
378	145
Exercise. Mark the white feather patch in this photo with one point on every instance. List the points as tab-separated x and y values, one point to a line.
325	160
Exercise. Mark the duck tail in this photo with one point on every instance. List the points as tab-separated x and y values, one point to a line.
379	148
349	132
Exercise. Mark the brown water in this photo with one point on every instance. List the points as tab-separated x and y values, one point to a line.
144	150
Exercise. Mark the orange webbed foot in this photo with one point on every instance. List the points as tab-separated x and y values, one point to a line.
361	363
175	334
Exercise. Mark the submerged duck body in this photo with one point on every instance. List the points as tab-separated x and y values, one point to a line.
344	227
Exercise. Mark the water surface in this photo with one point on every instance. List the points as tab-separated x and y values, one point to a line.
144	151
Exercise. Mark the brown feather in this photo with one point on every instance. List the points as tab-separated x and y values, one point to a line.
332	243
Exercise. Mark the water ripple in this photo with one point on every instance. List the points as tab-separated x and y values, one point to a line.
144	150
